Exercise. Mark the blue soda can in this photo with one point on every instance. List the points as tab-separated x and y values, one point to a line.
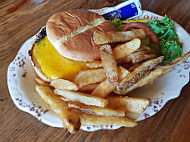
125	10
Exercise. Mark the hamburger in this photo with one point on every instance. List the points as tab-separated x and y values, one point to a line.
63	47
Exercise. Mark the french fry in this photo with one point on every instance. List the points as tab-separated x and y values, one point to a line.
109	64
123	50
82	98
94	120
103	89
142	57
166	69
122	73
132	68
94	64
89	77
177	61
69	118
129	58
137	74
127	66
40	81
116	36
144	81
132	104
88	88
137	57
145	48
132	115
107	111
63	84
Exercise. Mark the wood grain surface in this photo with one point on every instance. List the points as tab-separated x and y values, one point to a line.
21	19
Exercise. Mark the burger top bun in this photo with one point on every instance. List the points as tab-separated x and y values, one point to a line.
71	33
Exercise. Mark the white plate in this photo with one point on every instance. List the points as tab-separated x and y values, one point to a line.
20	78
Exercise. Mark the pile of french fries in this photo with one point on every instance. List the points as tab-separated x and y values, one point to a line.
98	96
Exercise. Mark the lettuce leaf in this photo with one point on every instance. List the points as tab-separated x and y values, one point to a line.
170	49
170	46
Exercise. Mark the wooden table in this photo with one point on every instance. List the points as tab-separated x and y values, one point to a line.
20	19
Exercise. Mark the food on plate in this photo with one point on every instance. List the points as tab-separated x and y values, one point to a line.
89	77
171	47
62	54
69	118
123	50
161	32
142	57
82	98
88	88
132	104
81	27
176	61
131	68
110	37
50	65
40	81
103	89
86	66
137	57
94	64
138	73
105	111
109	64
149	32
122	73
96	120
145	80
64	84
119	24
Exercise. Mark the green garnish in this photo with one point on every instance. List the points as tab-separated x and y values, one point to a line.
170	49
118	24
170	46
164	29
